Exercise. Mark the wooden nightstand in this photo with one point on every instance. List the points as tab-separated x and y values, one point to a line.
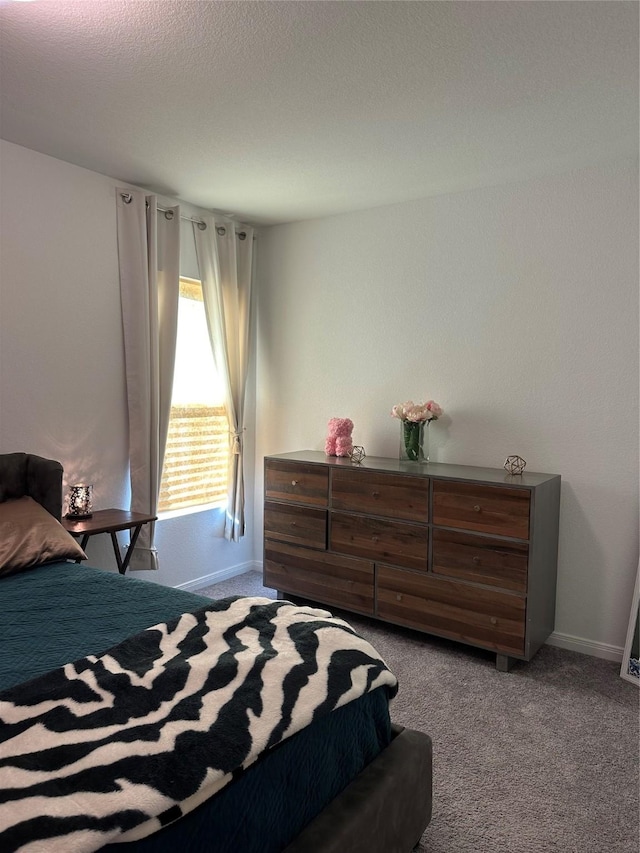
109	521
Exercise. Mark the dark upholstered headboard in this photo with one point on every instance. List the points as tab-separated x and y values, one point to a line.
38	478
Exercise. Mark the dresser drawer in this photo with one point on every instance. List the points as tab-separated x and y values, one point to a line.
295	481
334	580
300	524
473	614
395	542
481	559
488	509
390	495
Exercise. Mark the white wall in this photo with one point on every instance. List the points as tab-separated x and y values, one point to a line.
516	308
62	382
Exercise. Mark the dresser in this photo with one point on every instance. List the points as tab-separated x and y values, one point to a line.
460	552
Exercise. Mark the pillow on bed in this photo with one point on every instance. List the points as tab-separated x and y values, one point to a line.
30	535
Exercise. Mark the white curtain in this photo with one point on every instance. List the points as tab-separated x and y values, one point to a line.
149	260
225	260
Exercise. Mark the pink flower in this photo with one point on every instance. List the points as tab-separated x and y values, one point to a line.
416	412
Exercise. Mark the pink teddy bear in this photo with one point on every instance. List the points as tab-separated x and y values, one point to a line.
338	441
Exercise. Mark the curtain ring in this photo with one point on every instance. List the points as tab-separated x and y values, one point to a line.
202	225
242	235
221	230
168	214
127	198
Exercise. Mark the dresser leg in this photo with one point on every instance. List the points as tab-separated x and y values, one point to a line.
504	663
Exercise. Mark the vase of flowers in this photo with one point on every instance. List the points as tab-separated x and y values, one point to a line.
414	428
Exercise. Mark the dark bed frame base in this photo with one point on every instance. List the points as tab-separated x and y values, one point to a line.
385	809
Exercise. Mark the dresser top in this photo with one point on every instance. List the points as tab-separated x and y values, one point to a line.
528	479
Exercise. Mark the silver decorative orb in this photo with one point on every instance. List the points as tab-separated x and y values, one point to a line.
515	464
357	454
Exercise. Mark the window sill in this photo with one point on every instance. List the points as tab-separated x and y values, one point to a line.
190	510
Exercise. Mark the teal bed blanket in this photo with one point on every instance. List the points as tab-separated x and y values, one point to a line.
61	612
44	624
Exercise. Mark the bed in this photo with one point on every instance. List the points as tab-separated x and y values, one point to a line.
106	682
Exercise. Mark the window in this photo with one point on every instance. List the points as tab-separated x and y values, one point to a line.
196	460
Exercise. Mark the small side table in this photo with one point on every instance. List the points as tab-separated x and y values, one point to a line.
109	521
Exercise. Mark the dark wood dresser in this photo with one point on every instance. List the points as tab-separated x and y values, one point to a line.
461	552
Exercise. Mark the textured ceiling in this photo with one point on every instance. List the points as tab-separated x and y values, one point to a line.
279	111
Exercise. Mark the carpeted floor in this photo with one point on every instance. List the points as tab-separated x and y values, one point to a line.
543	759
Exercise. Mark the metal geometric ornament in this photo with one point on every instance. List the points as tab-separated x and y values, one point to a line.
515	464
357	454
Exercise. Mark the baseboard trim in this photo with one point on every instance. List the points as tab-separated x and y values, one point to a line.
220	575
585	647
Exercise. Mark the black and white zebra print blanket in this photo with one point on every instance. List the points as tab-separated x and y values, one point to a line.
115	746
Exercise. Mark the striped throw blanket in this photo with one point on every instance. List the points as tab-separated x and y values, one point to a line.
115	746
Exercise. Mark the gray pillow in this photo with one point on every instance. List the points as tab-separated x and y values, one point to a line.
30	536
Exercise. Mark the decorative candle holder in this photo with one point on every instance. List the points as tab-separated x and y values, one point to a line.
80	501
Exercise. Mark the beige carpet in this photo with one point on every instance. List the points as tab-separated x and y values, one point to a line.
543	759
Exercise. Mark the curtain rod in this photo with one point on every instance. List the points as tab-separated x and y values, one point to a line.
128	198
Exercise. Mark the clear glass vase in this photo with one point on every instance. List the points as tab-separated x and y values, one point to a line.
414	441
